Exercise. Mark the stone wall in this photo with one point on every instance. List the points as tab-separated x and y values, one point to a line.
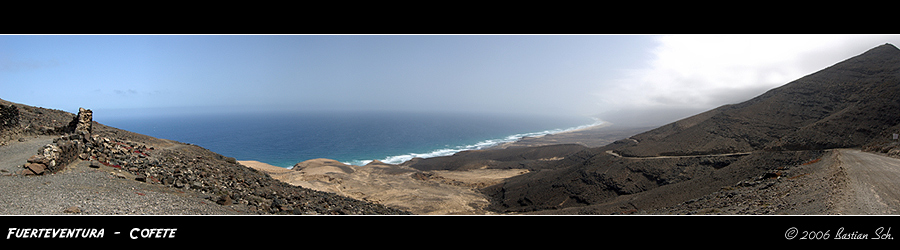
54	157
9	116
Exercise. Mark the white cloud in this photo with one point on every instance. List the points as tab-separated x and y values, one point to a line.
705	71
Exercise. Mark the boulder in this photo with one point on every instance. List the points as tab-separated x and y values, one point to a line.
34	169
224	200
72	210
39	158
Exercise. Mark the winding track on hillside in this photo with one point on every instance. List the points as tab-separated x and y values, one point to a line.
874	182
610	152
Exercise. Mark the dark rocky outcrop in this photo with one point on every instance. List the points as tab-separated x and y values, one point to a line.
9	116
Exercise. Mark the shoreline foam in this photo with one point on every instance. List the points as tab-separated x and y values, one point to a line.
558	138
497	143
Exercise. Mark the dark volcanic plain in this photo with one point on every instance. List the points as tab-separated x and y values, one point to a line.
791	150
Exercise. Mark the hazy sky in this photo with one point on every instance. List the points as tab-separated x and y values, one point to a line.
559	74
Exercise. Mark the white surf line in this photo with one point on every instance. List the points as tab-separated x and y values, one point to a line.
399	159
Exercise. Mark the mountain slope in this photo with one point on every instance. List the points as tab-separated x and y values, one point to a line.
844	105
850	104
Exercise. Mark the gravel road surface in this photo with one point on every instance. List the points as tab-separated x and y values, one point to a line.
14	155
874	182
81	189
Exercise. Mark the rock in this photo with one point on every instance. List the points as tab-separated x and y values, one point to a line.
224	200
72	210
95	164
169	180
772	175
38	159
35	169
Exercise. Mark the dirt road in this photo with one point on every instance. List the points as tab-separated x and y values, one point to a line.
874	182
15	154
610	152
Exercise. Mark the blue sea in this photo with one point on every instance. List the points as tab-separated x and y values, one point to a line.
357	138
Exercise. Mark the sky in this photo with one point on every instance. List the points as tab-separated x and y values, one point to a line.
647	76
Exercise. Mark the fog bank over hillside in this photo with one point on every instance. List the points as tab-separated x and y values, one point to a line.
688	74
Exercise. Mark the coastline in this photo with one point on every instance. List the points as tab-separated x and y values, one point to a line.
589	136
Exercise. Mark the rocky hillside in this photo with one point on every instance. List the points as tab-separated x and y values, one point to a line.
850	104
183	168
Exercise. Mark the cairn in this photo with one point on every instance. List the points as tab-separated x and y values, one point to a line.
81	125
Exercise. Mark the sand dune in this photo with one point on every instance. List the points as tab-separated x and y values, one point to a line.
420	192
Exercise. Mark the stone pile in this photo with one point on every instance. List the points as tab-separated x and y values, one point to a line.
118	153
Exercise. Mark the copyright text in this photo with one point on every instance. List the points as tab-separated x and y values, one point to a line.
881	233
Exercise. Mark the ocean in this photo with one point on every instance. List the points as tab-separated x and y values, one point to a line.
354	138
